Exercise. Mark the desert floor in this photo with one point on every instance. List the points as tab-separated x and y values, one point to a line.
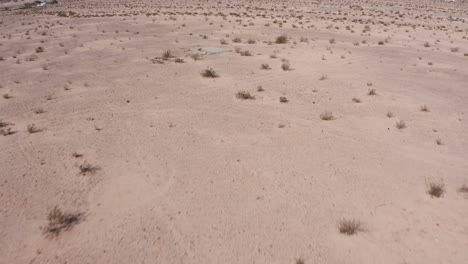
343	141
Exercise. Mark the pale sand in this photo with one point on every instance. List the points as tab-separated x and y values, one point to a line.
191	174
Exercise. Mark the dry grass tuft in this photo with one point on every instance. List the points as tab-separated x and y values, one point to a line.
326	115
283	39
463	189
87	168
372	92
32	128
77	155
167	55
196	57
59	221
286	66
6	131
38	110
436	189
3	123
300	261
243	95
349	227
400	124
209	73
245	53
424	108
283	99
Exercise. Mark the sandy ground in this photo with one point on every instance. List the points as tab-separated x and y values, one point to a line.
181	170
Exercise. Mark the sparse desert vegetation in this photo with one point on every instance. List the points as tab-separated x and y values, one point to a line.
424	108
59	222
283	39
209	73
32	128
372	92
87	168
286	66
327	115
245	95
436	189
349	226
209	135
463	189
400	124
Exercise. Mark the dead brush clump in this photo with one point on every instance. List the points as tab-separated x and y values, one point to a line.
209	73
32	57
286	66
424	108
349	227
196	57
265	67
3	123
300	261
38	110
243	95
372	92
400	124
436	189
6	131
77	155
245	53
87	168
283	39
463	189
32	128
59	221
327	116
167	55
